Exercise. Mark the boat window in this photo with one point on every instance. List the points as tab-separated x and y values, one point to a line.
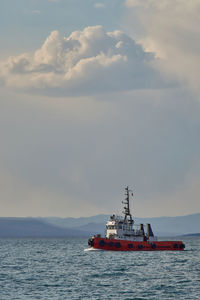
110	227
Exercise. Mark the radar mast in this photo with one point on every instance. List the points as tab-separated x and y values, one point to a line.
126	212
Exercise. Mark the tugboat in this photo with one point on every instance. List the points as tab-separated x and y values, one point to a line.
123	235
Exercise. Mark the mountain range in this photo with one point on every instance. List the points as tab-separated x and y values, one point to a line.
86	226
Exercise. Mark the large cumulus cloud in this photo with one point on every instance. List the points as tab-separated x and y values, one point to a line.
87	61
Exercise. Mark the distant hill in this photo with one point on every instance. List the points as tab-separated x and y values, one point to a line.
192	235
162	226
86	226
174	225
32	227
76	222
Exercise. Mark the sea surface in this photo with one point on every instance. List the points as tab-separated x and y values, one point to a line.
61	269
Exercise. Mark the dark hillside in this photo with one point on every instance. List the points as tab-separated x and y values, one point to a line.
30	227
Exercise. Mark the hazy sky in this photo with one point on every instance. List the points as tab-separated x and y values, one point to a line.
94	96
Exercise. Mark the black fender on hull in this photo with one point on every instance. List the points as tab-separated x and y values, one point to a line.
91	242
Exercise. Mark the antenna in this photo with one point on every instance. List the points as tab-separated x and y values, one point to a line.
127	206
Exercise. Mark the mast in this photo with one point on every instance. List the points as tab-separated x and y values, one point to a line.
127	206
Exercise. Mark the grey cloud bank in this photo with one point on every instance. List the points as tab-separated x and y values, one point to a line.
73	158
170	28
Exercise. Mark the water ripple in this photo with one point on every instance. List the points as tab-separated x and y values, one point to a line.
61	269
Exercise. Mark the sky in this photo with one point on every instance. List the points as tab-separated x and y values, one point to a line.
95	96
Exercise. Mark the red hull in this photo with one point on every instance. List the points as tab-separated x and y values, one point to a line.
124	245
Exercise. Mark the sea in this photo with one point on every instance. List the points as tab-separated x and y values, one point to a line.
65	269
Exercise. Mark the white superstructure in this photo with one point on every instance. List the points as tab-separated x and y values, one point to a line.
118	227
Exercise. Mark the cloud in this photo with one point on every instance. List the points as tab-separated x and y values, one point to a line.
170	28
36	12
99	5
88	61
134	3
